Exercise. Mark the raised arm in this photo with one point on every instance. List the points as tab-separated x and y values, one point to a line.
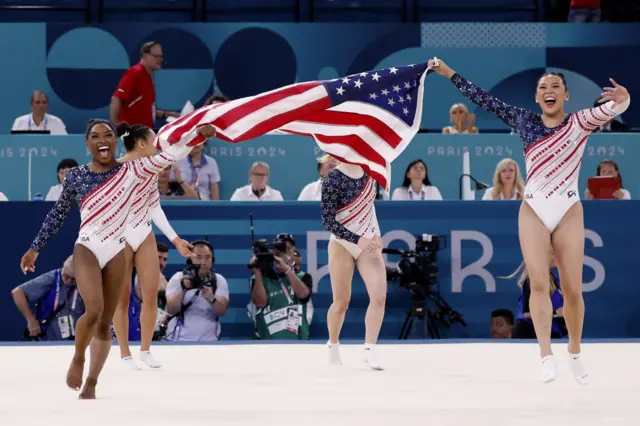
54	219
509	114
329	204
615	100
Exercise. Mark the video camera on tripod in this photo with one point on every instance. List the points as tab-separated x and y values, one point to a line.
417	271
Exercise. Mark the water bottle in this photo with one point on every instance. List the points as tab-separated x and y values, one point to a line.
37	197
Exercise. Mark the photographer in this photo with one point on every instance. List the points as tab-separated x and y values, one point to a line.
197	297
57	301
279	293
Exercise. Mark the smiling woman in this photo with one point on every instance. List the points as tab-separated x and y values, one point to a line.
105	191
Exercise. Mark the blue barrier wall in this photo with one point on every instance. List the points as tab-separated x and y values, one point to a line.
240	59
482	244
295	156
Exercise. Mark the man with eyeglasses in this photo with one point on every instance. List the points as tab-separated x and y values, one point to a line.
134	100
197	297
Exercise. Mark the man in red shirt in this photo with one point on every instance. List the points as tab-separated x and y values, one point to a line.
584	11
135	97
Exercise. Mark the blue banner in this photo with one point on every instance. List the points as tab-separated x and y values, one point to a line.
295	156
481	245
242	59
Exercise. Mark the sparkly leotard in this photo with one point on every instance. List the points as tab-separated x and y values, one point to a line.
347	206
552	155
105	200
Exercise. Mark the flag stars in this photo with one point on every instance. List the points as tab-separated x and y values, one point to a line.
405	111
385	92
401	100
358	83
391	102
340	90
396	88
364	74
407	85
346	80
375	76
393	70
408	97
373	96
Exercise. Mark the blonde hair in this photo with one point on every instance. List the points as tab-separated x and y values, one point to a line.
326	158
258	164
454	106
497	182
524	275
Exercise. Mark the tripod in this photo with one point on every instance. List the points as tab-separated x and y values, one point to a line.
419	313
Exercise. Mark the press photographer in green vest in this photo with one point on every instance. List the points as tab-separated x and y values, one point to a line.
279	293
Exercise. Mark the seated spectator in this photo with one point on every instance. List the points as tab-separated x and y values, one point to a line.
257	190
581	11
462	121
416	184
197	297
216	99
612	125
39	119
501	324
523	328
58	305
200	172
281	294
63	168
610	168
177	188
507	182
312	192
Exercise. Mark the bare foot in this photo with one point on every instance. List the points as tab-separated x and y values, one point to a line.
89	389
74	375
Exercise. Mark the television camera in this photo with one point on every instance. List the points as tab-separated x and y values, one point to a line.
417	271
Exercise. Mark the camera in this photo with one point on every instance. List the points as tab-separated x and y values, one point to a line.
417	271
263	251
192	271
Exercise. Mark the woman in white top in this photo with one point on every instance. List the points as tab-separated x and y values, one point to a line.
610	168
416	184
257	190
462	121
507	182
313	191
63	168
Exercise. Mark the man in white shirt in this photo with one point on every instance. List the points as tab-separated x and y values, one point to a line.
257	190
313	191
39	119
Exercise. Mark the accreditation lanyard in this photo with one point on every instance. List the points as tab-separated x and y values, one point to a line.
46	121
284	288
57	299
411	195
195	172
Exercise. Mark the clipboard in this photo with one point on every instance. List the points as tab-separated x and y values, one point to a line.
603	187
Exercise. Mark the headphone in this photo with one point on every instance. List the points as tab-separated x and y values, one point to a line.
203	242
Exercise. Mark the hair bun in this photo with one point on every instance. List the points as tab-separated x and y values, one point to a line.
123	128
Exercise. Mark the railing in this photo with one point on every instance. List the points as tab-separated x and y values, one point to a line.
95	11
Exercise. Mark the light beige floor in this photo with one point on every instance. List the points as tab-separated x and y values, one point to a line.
472	384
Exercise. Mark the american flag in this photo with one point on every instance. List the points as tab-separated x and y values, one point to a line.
366	119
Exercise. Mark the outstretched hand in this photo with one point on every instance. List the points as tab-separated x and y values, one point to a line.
28	262
184	247
440	67
617	93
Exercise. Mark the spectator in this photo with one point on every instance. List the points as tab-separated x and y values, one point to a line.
135	97
311	192
177	188
501	324
416	184
200	172
611	125
197	297
63	168
216	99
39	119
57	301
584	11
610	168
280	294
507	182
462	121
257	190
523	328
